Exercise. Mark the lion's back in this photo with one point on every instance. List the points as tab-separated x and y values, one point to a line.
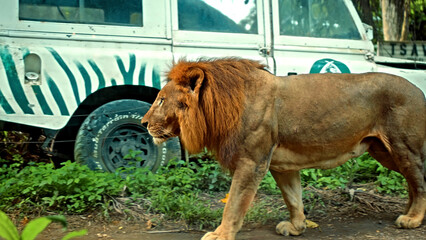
334	105
374	86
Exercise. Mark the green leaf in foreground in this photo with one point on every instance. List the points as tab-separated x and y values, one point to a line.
75	234
8	231
34	228
59	219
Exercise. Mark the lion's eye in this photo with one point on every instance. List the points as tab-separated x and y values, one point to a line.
161	101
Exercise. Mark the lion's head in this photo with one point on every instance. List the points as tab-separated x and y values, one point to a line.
202	104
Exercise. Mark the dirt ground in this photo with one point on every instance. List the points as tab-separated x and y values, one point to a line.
365	215
335	227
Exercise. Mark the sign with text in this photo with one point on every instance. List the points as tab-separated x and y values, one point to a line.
406	50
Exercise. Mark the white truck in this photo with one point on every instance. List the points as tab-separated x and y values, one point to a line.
82	73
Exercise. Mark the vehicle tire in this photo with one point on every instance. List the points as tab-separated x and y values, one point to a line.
110	132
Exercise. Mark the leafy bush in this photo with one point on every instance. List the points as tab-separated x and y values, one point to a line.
391	182
73	188
210	176
268	185
363	169
175	191
180	177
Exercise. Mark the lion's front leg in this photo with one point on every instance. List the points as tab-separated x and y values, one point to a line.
291	189
245	182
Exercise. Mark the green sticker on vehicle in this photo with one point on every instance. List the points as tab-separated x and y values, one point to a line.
328	65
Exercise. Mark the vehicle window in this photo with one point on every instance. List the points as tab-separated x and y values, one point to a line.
316	18
111	12
218	16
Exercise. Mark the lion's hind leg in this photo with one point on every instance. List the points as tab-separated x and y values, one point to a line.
408	161
412	168
416	208
291	189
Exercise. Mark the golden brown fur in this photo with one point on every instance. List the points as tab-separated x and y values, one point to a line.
254	122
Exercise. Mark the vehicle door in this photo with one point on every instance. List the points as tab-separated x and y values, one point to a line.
318	36
212	28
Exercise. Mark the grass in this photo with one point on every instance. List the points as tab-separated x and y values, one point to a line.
175	191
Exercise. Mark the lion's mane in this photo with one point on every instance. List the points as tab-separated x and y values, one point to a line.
213	116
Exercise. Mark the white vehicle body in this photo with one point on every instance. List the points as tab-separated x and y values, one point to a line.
62	59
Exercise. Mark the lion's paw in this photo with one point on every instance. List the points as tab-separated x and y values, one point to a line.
287	228
404	221
211	236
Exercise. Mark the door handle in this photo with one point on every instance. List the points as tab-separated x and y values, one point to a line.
32	67
264	51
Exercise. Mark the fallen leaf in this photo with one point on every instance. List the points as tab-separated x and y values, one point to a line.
311	224
24	221
225	200
149	225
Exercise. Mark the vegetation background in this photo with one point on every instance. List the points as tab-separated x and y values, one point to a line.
31	185
394	20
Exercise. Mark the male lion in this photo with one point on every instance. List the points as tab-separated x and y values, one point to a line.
254	122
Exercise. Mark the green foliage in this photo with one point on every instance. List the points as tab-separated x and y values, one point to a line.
180	177
268	185
178	190
185	206
417	20
8	230
73	188
174	190
370	12
265	210
391	182
133	154
363	169
211	177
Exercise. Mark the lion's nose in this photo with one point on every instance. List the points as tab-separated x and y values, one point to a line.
144	124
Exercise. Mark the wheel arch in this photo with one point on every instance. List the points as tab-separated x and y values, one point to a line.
97	99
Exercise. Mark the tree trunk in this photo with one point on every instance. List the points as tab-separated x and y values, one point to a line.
395	15
365	10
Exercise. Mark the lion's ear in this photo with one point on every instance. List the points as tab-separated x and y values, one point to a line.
196	78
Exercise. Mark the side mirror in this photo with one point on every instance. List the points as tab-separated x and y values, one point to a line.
368	31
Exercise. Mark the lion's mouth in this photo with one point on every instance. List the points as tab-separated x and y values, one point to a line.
158	141
160	138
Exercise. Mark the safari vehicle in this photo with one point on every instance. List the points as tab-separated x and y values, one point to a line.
82	73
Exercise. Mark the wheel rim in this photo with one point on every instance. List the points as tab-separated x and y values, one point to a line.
121	140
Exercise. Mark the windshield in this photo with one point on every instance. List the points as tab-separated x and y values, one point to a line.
110	12
218	16
317	18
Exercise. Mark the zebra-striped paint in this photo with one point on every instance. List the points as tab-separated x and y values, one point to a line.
66	80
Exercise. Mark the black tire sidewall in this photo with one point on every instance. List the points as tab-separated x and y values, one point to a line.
110	117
